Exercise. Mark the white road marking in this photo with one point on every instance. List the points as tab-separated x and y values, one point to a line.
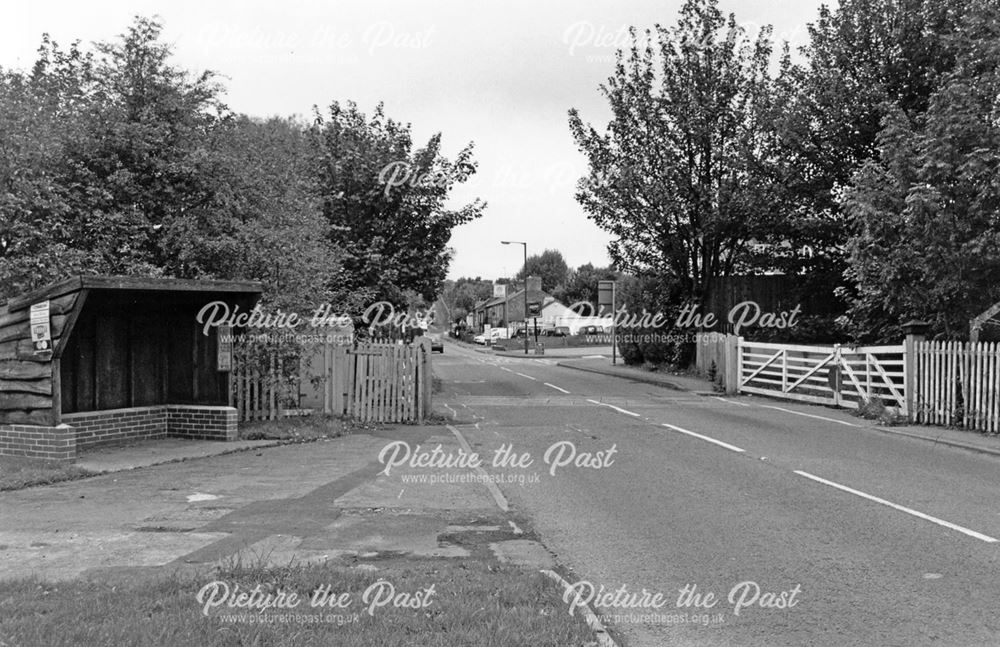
895	506
527	376
557	388
732	448
809	415
618	409
601	634
495	492
454	414
504	368
742	404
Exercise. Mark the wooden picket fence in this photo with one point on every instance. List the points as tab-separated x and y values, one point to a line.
260	390
377	382
957	384
373	382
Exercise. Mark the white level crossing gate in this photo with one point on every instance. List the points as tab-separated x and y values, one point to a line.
836	375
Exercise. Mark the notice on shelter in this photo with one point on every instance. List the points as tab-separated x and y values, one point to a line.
41	331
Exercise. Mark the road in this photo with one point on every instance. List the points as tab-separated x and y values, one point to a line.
819	531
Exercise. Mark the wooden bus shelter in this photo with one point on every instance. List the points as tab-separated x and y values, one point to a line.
98	359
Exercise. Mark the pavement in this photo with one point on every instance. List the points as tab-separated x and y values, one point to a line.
178	506
154	452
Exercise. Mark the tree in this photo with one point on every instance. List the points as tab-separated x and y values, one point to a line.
106	157
583	282
862	58
384	202
681	176
926	229
550	266
462	295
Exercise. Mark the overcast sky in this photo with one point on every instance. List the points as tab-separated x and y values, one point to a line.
500	74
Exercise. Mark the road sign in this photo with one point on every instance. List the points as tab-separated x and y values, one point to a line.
605	297
534	308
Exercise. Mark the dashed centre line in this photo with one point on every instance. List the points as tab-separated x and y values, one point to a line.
527	376
732	448
557	388
611	406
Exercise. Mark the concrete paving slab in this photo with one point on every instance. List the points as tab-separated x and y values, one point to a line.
155	452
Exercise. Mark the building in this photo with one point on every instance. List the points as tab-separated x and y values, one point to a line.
506	308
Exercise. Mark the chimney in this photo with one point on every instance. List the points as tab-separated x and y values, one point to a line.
534	284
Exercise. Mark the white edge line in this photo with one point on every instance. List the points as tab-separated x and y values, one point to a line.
495	492
809	415
895	506
742	404
527	376
732	448
600	633
557	388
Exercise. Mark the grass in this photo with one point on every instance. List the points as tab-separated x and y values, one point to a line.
299	428
17	472
473	603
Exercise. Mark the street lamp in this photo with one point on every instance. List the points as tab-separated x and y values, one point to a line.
525	245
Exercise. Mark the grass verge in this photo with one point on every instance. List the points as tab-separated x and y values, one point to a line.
471	603
17	472
300	428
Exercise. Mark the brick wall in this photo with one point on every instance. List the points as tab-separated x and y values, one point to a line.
95	428
201	422
33	441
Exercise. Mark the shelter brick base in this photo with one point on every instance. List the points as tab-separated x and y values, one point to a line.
81	431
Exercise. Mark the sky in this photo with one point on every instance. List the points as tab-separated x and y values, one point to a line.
502	75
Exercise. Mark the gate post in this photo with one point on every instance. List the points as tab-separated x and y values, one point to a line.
733	360
915	331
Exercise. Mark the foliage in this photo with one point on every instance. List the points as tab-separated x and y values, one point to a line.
550	266
462	295
384	202
926	237
681	176
582	284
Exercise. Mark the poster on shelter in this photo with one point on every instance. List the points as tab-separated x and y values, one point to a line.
41	331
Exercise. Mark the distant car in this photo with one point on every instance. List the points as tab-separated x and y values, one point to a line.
479	339
589	330
437	346
558	331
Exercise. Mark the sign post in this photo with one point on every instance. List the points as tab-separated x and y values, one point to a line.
606	299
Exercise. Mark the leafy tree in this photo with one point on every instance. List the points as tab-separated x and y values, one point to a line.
862	57
926	235
582	284
681	176
550	266
462	295
385	202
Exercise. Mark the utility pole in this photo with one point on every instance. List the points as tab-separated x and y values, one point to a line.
525	245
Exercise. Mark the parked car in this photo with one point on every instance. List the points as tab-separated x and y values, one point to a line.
590	330
437	346
495	334
558	331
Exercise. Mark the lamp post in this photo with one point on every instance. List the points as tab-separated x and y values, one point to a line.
525	245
